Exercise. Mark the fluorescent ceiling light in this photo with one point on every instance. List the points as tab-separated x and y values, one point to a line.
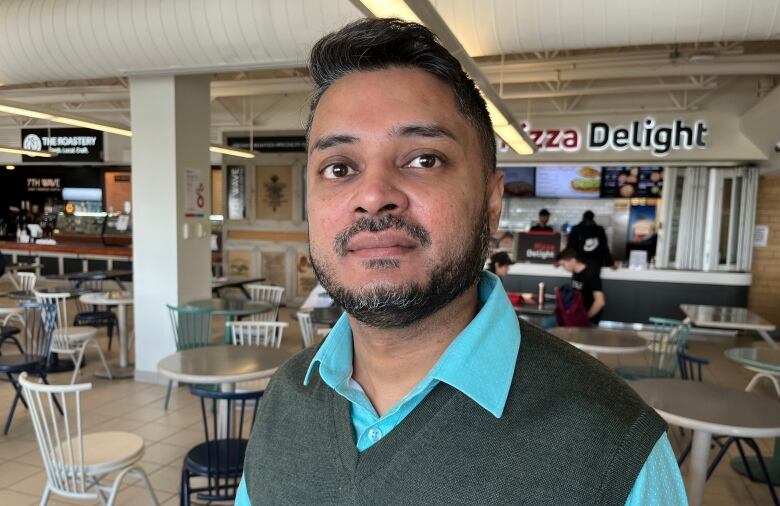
227	150
22	109
26	152
10	167
422	11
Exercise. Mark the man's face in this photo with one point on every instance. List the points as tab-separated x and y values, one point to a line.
396	192
544	218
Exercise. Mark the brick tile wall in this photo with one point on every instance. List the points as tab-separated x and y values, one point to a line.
764	296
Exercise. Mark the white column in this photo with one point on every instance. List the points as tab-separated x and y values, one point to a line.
171	255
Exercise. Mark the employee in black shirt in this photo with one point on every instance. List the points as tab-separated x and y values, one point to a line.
585	279
542	226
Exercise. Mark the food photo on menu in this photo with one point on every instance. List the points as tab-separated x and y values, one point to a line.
578	181
631	182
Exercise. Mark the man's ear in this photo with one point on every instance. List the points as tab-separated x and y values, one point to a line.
494	193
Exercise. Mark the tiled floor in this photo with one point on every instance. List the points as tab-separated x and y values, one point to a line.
138	407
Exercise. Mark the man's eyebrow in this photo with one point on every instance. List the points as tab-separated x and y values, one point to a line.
422	130
329	141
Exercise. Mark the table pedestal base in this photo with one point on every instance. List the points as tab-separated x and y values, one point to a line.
56	365
117	372
772	465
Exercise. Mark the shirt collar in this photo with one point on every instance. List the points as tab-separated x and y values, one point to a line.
480	361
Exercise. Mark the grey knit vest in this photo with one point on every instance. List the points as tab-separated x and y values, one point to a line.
571	433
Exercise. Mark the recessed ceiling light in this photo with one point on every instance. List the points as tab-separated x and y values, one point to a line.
10	167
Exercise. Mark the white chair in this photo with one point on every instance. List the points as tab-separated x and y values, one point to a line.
307	328
75	462
269	294
69	340
254	333
26	280
11	313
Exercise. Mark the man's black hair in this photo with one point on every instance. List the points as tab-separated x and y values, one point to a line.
588	216
544	212
568	254
376	44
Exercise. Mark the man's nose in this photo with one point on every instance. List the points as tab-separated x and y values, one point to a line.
378	192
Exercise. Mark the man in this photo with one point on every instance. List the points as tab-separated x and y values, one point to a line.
428	390
585	280
590	241
542	226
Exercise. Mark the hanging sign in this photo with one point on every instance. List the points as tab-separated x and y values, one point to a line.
270	144
70	144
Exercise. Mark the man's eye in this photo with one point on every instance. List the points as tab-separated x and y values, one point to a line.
425	162
336	171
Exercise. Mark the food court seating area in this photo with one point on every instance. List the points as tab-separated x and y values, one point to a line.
138	408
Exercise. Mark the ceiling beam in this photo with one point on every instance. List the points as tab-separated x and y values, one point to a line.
607	90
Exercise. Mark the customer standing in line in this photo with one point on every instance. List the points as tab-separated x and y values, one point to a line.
428	390
589	239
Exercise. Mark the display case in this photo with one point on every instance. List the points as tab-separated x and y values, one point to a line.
79	227
117	229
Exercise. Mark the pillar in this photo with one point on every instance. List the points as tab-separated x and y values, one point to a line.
171	250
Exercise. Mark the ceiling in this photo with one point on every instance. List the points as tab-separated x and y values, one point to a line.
545	57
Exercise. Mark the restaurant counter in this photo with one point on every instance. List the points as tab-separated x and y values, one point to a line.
635	295
68	257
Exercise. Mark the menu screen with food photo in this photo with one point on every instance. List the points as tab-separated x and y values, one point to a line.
580	181
630	182
518	181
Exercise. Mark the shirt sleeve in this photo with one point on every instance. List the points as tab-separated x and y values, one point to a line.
242	498
659	483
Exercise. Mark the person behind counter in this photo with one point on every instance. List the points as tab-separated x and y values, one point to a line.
542	226
590	242
586	280
499	263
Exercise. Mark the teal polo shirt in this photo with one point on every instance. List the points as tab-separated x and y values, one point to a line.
482	369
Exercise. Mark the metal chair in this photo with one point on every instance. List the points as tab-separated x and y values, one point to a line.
26	280
251	333
71	341
220	458
690	367
669	338
37	337
307	328
95	316
191	329
269	294
75	462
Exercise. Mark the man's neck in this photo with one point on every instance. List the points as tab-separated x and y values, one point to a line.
389	363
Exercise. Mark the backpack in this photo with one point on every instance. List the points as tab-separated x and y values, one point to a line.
569	308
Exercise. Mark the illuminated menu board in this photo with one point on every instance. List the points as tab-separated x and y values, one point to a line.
579	181
630	182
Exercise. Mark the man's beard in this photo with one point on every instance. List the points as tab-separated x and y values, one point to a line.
391	306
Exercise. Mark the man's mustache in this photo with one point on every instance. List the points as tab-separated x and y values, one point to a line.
380	224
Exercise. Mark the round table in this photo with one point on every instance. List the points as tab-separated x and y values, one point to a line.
765	362
708	410
595	340
222	364
121	300
230	308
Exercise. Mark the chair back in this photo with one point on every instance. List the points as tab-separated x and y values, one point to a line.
257	333
307	328
39	322
60	301
59	437
690	366
26	280
669	338
91	285
228	418
270	295
191	326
